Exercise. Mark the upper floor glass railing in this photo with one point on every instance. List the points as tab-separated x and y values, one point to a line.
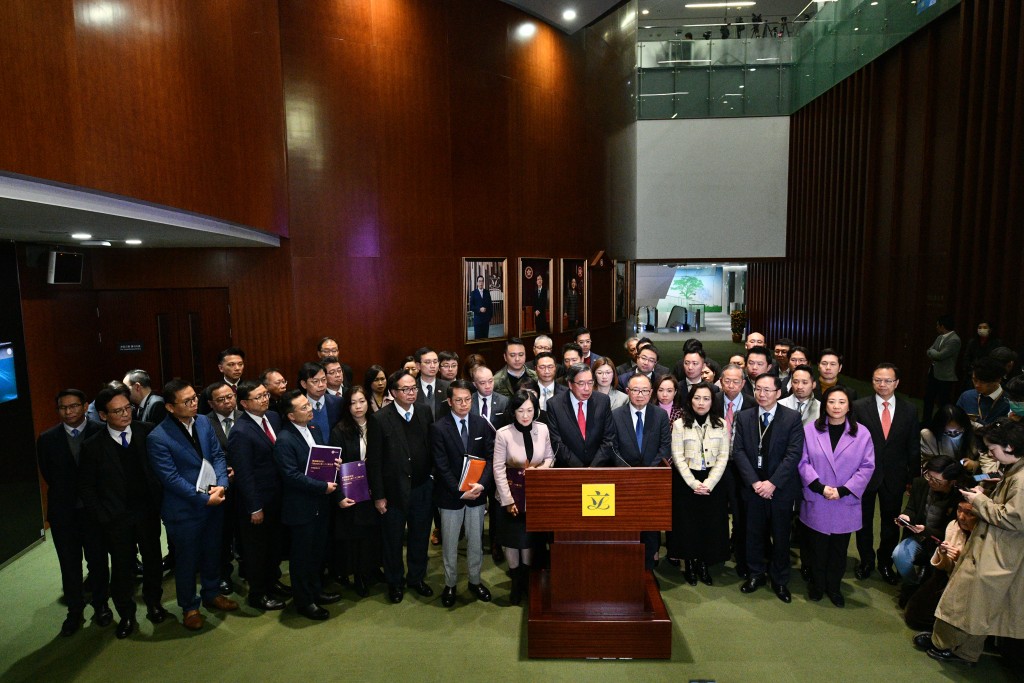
773	68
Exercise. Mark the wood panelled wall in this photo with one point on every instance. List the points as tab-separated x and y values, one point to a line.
416	132
905	188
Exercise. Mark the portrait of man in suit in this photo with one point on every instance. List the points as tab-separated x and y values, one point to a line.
483	302
580	421
483	308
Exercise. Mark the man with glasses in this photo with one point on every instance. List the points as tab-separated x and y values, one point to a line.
257	492
643	439
646	365
223	418
449	366
401	486
121	493
327	347
767	446
273	379
74	534
896	435
541	343
630	365
326	408
733	401
336	380
190	463
580	422
547	373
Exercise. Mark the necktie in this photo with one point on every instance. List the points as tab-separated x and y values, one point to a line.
639	431
764	420
483	407
124	439
886	419
74	433
728	420
266	430
464	433
581	420
317	406
543	399
408	416
430	391
228	422
800	405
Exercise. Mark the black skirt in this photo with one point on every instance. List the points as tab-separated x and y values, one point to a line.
700	524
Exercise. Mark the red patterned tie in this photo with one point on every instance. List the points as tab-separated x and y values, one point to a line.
886	419
266	430
581	420
728	421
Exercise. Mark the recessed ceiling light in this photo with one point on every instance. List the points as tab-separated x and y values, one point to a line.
569	14
133	242
526	30
645	12
706	5
81	236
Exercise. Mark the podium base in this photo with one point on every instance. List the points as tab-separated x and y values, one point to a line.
645	634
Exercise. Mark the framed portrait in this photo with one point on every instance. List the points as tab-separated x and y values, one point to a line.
536	302
484	299
573	287
620	288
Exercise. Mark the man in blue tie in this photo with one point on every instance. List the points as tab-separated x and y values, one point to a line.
326	408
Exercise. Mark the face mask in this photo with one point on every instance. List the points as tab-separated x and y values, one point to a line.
983	332
1017	407
955	439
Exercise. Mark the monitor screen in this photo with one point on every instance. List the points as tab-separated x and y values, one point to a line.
8	380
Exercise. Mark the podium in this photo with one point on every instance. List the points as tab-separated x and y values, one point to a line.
597	600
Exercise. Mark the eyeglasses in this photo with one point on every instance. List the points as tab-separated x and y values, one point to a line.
124	410
584	383
69	407
265	396
931	479
883	380
316	380
224	400
194	400
462	401
406	390
640	392
765	390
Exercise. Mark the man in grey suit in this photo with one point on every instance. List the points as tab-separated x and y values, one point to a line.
942	374
580	422
801	399
643	439
486	403
148	406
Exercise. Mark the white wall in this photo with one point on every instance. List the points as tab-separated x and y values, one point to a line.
712	188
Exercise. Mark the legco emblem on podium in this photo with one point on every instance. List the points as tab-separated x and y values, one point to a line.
598	500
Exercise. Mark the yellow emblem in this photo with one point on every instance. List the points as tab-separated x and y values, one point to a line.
598	500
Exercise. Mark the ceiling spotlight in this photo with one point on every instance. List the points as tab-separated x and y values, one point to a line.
81	236
645	12
569	15
526	30
133	242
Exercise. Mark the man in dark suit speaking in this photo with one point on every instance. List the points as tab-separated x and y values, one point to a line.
580	421
482	307
767	446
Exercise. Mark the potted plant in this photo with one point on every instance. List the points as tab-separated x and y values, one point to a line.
738	319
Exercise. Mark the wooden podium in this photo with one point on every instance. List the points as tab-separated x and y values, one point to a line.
597	601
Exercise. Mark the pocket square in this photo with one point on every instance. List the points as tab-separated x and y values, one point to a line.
478	438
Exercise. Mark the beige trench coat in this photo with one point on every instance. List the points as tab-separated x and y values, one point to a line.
985	594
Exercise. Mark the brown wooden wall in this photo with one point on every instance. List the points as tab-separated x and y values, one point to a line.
417	132
905	188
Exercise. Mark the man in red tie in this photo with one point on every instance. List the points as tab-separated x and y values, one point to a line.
896	435
580	421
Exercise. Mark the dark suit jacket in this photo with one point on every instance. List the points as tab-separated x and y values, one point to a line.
439	407
155	411
219	430
447	449
898	458
60	471
478	301
657	436
659	371
102	482
302	498
251	454
390	473
496	407
782	453
362	514
598	450
177	465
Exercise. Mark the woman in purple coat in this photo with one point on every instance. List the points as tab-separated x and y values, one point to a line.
835	469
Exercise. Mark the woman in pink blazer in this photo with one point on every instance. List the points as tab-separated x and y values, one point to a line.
835	469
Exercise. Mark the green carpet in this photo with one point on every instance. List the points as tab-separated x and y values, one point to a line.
719	634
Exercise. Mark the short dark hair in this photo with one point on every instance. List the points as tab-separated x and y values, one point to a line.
773	377
514	341
648	347
784	341
140	377
246	387
287	404
266	373
458	384
309	369
830	352
544	354
77	393
1015	388
759	351
581	330
574	370
699	350
395	376
1006	433
885	365
691	345
716	417
805	368
571	346
524	396
230	351
210	388
946	320
821	424
171	389
107	395
801	349
329	360
988	369
448	355
420	352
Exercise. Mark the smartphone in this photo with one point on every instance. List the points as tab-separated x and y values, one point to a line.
903	523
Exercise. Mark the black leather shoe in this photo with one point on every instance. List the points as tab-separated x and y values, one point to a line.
225	587
948	657
689	571
448	596
395	594
923	641
125	628
328	598
359	586
753	583
71	624
480	592
266	603
103	616
837	599
743	571
814	593
863	570
782	593
281	589
422	588
157	614
889	575
314	612
703	574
